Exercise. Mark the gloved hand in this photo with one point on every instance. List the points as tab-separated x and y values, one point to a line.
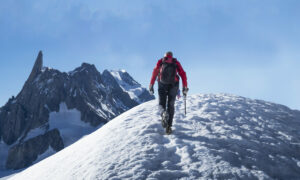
151	90
185	91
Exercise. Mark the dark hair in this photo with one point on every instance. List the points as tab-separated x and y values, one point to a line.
169	53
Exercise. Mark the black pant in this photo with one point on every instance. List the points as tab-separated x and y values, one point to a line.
168	92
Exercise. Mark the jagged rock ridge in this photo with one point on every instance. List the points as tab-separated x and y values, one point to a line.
98	97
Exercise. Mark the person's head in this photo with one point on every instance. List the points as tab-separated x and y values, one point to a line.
169	54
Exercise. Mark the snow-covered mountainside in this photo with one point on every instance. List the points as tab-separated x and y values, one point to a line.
128	84
54	109
222	137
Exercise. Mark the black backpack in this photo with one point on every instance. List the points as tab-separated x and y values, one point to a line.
168	71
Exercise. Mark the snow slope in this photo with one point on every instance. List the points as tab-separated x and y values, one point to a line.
222	137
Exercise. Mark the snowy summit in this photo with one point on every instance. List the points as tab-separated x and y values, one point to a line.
222	137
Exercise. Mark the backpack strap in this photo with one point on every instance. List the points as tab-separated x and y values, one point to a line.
175	62
163	61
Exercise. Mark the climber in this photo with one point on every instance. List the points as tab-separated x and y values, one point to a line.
168	69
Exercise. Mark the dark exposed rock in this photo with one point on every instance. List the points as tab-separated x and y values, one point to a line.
12	121
114	89
98	97
22	155
123	80
37	67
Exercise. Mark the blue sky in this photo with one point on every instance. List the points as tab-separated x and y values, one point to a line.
248	48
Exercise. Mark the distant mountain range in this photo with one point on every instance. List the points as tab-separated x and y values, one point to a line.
55	109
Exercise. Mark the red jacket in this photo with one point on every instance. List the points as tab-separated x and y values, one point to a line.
179	71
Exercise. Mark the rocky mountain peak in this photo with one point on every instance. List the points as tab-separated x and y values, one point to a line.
95	99
87	65
85	68
37	67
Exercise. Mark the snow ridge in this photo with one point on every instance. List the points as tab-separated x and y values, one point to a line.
222	137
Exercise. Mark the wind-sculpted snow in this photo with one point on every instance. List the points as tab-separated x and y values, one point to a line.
222	137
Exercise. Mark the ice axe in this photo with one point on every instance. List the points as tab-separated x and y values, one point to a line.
184	98
185	90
